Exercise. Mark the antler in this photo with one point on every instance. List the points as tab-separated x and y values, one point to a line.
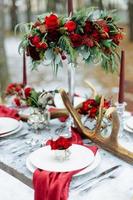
94	92
111	143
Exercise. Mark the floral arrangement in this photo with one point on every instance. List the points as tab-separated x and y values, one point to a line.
27	96
60	144
90	107
14	88
92	34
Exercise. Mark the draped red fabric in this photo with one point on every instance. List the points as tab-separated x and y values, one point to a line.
55	185
9	112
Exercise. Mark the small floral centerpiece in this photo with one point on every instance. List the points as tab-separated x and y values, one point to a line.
27	96
61	147
90	33
90	112
90	107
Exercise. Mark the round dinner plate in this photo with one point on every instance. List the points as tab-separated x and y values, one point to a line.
13	132
129	123
44	159
88	169
8	124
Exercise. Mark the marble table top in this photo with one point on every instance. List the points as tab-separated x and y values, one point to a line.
14	150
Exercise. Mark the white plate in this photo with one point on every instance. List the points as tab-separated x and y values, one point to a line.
129	123
8	124
44	159
128	129
14	131
59	103
88	169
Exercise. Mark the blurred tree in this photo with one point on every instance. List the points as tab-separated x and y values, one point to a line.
130	11
97	3
61	6
80	4
51	5
100	5
4	75
13	14
28	11
92	2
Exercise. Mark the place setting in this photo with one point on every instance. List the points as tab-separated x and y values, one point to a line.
9	126
47	160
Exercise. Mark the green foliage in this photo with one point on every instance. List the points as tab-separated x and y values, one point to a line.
95	42
33	99
65	43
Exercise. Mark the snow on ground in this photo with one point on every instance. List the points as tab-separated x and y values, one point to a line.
11	188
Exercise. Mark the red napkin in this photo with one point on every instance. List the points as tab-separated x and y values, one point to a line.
8	112
55	185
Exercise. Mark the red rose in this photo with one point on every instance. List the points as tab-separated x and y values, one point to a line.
17	101
10	88
88	27
92	112
18	88
42	45
27	91
95	35
102	25
52	22
53	36
106	104
70	25
35	40
87	105
117	37
13	88
60	143
33	53
88	41
76	39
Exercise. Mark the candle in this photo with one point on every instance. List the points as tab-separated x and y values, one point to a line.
122	78
24	69
70	7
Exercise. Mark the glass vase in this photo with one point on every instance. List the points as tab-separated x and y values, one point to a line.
65	129
71	81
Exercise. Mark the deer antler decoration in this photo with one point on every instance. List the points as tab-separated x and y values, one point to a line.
111	143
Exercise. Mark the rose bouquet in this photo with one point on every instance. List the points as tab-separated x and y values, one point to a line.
92	34
92	111
60	144
90	107
60	148
27	96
